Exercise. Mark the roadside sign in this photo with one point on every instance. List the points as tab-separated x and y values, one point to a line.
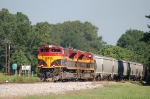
26	67
14	66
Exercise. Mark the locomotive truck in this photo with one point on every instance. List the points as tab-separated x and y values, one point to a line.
56	63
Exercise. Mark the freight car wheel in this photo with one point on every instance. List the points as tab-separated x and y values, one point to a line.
109	78
99	78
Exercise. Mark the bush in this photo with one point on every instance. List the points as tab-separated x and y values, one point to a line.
2	78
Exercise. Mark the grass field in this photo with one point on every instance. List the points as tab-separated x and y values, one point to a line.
109	91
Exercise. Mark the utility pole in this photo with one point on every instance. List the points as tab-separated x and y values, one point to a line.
7	48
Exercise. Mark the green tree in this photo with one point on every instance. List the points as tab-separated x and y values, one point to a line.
16	28
19	58
7	26
79	35
43	33
146	39
117	52
131	40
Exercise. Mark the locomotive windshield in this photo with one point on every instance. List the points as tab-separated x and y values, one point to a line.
50	50
44	50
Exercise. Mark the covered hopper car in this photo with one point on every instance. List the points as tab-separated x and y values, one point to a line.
111	68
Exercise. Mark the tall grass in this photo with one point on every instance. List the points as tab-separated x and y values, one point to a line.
17	78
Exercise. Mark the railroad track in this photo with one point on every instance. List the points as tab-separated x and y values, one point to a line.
38	82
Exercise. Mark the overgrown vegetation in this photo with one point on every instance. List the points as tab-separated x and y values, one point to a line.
17	78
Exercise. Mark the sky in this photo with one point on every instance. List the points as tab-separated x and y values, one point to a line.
112	17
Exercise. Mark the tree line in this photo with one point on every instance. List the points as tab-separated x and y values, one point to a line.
26	38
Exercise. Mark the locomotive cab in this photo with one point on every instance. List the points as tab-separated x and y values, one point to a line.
47	56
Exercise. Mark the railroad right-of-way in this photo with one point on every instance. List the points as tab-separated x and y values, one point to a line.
8	90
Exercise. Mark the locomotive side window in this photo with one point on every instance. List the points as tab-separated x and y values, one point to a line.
56	50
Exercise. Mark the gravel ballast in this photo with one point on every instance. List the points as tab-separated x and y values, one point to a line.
11	90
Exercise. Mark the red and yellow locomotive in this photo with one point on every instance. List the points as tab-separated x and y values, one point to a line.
58	63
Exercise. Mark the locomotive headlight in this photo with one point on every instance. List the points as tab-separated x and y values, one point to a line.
89	55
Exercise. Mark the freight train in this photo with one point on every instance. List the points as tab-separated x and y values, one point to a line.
56	63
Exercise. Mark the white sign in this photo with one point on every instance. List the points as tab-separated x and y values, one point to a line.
26	67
